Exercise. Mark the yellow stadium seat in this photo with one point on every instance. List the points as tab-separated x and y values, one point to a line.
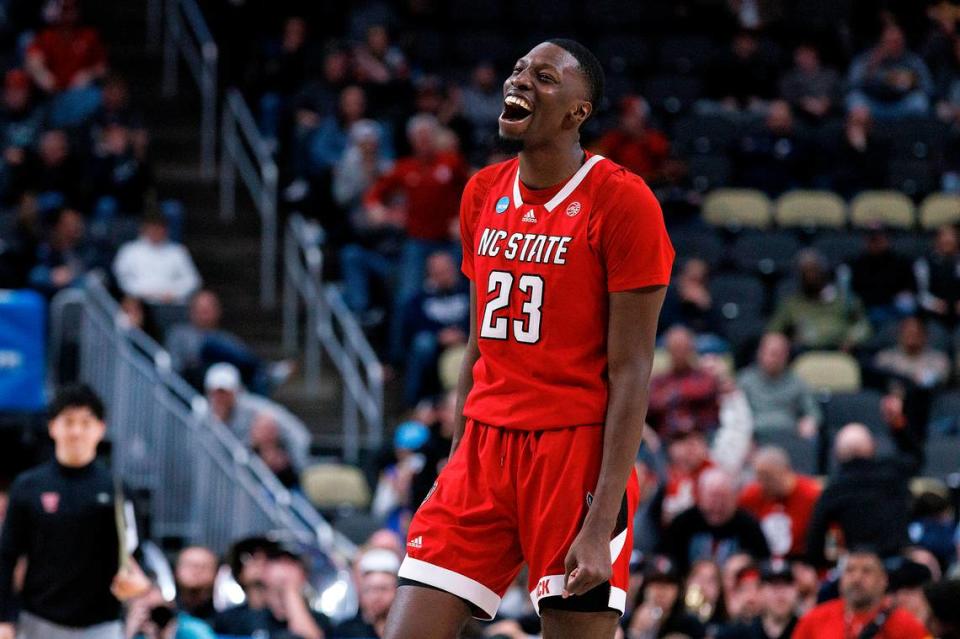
330	486
737	208
890	208
939	209
802	208
830	371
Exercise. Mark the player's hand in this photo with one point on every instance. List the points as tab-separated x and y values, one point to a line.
587	564
128	584
8	631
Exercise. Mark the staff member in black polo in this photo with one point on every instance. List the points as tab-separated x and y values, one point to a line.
62	519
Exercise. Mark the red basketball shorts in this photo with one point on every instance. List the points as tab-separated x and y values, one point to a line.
509	496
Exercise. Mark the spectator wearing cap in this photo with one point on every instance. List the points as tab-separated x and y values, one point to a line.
743	598
883	279
155	269
781	500
715	528
659	610
223	389
778	398
821	315
862	609
248	561
778	600
634	144
195	572
685	398
913	358
377	587
906	581
867	499
391	500
890	79
942	597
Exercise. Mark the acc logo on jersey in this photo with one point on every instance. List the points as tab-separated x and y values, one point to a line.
502	204
573	209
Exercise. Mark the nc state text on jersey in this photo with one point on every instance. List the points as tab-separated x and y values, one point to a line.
524	247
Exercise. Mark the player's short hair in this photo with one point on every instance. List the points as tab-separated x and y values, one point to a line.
76	396
589	66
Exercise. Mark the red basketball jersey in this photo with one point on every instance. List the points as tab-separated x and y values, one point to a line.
543	263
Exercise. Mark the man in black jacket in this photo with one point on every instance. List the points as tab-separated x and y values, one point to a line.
868	498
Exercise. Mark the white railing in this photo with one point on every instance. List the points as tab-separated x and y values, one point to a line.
204	485
329	327
186	34
244	152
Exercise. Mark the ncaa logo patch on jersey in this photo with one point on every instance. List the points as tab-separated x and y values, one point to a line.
573	209
502	204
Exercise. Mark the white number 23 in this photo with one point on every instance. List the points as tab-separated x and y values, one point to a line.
500	287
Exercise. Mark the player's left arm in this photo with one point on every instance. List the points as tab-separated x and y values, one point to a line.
630	345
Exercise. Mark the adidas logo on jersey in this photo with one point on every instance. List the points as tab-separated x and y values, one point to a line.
529	216
416	542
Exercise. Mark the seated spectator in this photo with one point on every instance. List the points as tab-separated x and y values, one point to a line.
377	589
248	561
635	144
684	399
120	179
704	593
195	572
64	259
482	104
866	501
155	269
115	109
779	597
889	79
883	279
285	581
391	499
153	617
743	598
932	527
734	438
906	581
21	123
436	319
939	277
779	400
913	358
328	140
820	316
378	62
688	455
53	173
808	87
659	609
863	586
197	345
861	159
775	158
741	77
18	251
715	528
65	60
689	303
781	500
266	441
280	73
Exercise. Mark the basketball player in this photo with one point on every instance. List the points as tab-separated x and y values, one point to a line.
568	261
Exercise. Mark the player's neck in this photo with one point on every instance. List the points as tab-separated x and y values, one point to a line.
546	166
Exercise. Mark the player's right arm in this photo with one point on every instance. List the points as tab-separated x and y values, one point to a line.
465	381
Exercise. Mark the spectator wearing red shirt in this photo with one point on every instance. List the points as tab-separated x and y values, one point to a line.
684	399
634	144
781	500
429	184
65	60
862	603
689	456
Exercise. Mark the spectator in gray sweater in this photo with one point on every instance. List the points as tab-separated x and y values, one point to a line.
778	398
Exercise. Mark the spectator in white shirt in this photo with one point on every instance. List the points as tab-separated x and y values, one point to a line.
155	269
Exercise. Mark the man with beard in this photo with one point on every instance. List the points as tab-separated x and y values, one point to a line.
778	598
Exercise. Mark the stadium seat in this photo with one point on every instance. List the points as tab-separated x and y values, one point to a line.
743	335
939	209
707	172
736	208
843	408
829	371
475	12
767	253
886	337
612	14
704	134
166	316
915	138
622	53
476	46
944	413
890	208
912	177
672	94
839	248
909	245
802	451
685	53
334	486
701	243
737	296
941	456
542	13
810	209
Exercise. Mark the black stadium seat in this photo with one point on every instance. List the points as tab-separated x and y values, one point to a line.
705	134
768	253
672	94
622	53
708	172
702	243
862	406
685	53
802	452
913	177
941	456
839	248
737	296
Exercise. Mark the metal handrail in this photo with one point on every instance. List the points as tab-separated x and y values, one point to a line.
244	152
330	327
158	404
186	34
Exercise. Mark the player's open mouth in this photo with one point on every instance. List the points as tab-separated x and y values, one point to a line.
516	109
